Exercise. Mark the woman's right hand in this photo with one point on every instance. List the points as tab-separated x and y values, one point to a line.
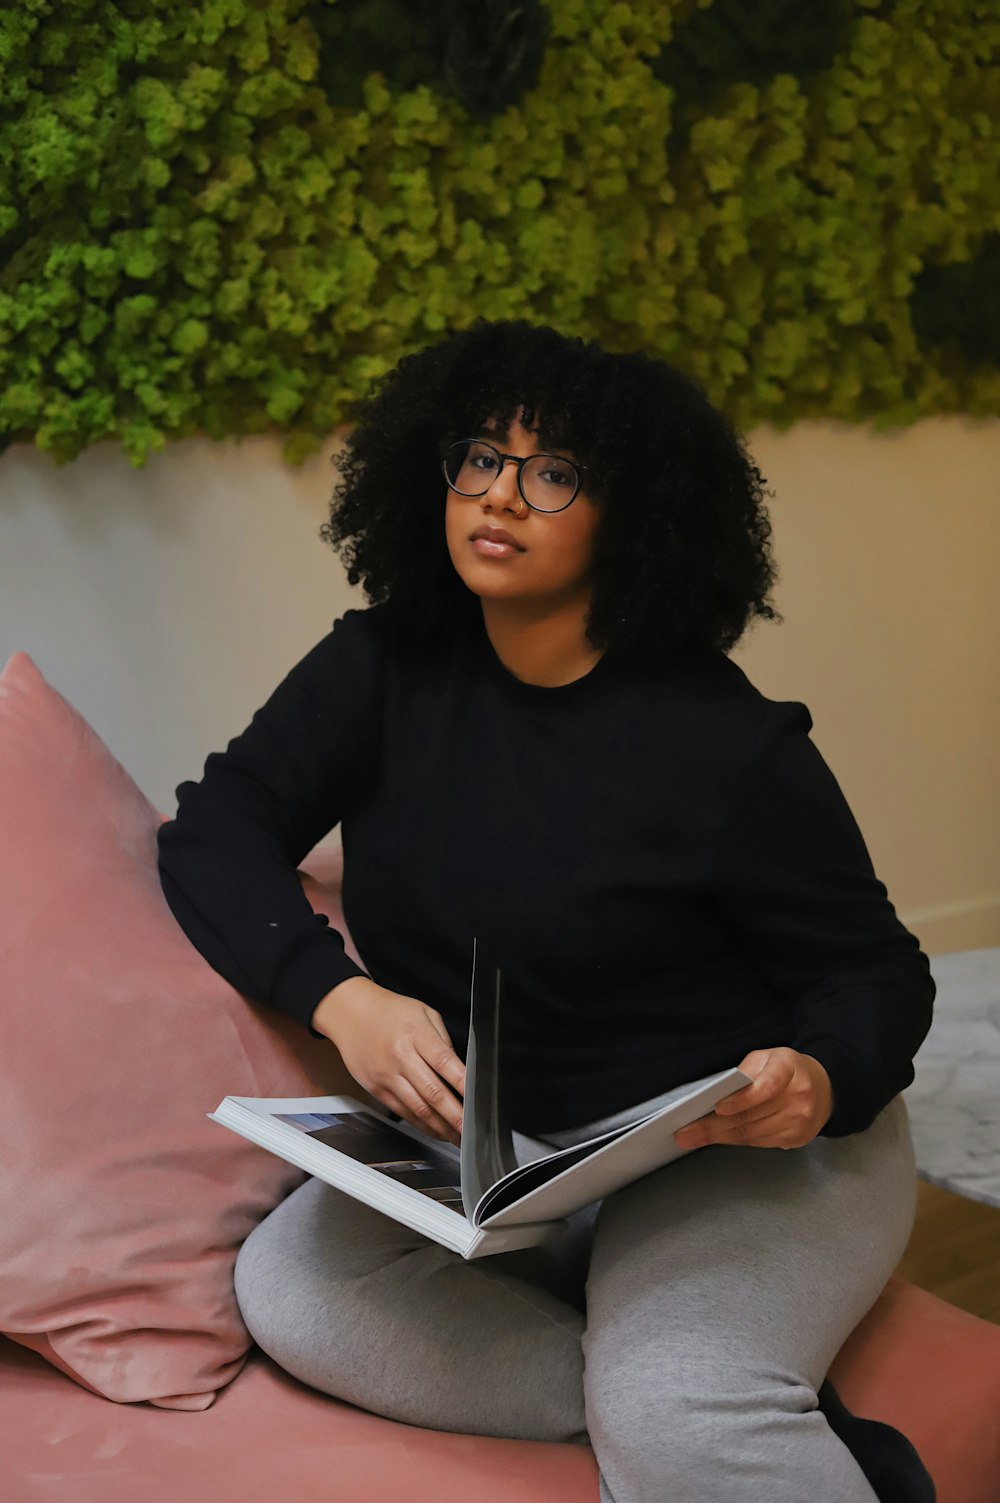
399	1050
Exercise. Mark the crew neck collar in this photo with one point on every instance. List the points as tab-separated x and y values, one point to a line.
576	689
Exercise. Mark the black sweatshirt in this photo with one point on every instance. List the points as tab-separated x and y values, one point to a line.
665	864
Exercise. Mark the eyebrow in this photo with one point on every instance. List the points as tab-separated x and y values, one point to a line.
484	432
492	435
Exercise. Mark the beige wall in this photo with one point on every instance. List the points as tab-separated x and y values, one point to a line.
889	547
167	602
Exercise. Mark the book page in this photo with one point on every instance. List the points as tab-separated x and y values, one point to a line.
575	1176
386	1149
488	1154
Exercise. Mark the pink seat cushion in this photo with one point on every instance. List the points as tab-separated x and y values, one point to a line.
123	1205
914	1361
934	1372
266	1438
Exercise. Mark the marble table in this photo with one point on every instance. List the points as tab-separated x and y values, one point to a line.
954	1101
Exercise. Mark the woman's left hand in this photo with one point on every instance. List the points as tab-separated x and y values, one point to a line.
788	1103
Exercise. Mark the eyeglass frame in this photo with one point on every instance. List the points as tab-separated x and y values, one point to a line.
520	460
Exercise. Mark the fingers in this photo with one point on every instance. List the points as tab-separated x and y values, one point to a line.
756	1116
775	1131
437	1101
783	1107
768	1130
424	1098
416	1109
772	1070
388	1099
444	1061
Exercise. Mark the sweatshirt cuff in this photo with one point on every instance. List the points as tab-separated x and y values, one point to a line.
852	1109
313	969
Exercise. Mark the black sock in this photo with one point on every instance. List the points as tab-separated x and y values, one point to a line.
888	1460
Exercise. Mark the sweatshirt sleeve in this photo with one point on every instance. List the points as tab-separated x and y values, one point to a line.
228	860
796	880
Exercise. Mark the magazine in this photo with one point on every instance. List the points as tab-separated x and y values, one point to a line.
476	1200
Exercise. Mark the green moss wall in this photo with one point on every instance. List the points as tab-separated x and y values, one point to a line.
230	216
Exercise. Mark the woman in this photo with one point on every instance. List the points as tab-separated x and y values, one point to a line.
534	732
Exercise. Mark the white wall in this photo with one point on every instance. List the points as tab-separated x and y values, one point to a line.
167	602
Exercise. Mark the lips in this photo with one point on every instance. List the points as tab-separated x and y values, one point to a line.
496	535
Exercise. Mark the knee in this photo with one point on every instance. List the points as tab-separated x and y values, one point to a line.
287	1271
647	1422
303	1310
684	1427
264	1281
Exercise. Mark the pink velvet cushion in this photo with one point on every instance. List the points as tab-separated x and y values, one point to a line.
123	1205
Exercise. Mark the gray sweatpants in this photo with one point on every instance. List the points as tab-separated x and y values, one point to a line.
683	1326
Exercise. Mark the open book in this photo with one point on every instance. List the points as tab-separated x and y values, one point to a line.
476	1200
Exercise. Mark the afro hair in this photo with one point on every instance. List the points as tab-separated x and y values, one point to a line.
682	551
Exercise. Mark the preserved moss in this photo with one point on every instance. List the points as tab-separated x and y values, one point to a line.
222	218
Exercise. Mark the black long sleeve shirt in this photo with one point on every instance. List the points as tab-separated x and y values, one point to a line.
667	867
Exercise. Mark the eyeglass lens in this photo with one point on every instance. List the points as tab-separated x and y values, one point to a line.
548	481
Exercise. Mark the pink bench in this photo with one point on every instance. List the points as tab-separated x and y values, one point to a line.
916	1362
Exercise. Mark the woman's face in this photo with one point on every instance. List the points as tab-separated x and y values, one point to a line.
553	565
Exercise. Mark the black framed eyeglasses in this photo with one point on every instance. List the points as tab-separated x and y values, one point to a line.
548	482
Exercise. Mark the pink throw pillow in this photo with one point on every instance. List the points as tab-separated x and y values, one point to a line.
124	1206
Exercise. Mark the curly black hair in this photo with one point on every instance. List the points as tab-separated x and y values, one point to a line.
682	550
